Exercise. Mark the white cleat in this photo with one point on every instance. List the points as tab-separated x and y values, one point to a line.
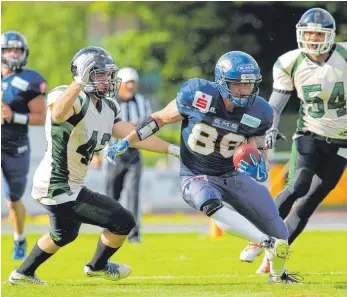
17	278
250	252
111	271
264	268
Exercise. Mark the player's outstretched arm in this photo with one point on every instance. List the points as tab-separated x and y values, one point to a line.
154	122
142	137
154	144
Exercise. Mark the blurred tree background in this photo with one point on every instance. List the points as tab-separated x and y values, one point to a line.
168	42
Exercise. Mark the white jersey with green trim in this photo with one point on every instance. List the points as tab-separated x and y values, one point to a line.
71	145
321	88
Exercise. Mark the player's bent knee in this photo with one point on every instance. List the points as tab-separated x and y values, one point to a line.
211	206
63	238
301	181
123	223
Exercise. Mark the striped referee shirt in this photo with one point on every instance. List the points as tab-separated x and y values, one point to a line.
134	110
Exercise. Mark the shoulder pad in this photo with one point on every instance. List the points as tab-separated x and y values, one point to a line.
286	61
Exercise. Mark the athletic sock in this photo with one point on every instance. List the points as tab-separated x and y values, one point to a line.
101	256
33	261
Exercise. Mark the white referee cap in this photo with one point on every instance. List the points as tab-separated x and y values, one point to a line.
128	74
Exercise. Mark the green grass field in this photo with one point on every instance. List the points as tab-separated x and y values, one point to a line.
187	265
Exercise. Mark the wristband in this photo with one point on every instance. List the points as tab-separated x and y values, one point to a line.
147	128
173	150
20	118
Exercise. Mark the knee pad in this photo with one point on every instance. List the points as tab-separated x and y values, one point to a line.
301	182
211	206
63	238
122	223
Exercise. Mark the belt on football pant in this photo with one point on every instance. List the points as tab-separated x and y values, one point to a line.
339	142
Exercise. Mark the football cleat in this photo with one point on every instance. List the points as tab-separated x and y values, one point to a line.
264	268
111	271
17	278
286	278
19	250
250	252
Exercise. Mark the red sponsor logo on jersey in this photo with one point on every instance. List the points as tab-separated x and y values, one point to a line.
202	101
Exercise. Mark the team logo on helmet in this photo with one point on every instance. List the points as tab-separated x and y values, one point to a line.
224	65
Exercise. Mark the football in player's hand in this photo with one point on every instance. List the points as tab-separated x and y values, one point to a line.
243	152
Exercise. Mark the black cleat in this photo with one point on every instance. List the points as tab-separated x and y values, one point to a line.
286	278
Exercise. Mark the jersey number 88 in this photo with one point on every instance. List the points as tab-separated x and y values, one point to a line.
203	139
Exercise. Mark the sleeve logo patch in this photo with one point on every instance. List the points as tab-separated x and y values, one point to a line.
20	83
202	101
250	121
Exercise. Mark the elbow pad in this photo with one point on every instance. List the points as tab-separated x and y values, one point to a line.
147	128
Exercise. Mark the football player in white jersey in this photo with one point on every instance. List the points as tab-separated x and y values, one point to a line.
80	120
318	72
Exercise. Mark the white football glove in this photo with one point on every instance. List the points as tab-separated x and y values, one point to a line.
84	63
271	136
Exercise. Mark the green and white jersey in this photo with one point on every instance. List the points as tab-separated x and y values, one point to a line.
321	88
71	145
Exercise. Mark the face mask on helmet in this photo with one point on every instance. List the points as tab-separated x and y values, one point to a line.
315	32
103	83
237	77
14	50
315	41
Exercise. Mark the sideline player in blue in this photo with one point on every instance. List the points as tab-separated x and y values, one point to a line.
22	104
216	118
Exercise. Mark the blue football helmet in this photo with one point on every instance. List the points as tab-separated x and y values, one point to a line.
13	39
316	20
237	67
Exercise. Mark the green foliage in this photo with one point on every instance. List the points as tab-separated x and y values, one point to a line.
179	40
55	32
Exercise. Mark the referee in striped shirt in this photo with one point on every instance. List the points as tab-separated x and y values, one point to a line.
126	174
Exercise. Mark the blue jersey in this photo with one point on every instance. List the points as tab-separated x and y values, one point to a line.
19	88
210	133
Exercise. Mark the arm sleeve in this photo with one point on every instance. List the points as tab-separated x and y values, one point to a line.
278	101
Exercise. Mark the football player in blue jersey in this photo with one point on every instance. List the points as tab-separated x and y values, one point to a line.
216	118
22	103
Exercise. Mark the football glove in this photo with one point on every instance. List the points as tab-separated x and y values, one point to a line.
257	170
117	149
84	64
271	136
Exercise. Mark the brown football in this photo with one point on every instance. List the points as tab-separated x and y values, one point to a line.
243	152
